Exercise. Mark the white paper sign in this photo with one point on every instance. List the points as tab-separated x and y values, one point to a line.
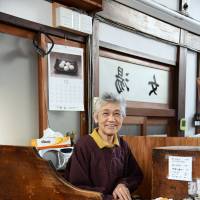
180	168
65	78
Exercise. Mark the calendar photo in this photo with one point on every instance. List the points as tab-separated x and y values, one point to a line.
65	65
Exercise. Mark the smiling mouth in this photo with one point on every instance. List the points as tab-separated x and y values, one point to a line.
111	126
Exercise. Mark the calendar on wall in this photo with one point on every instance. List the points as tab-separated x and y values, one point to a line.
65	79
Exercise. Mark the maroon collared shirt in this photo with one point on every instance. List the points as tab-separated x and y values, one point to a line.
101	170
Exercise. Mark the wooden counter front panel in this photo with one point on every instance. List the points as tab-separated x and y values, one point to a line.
161	185
26	176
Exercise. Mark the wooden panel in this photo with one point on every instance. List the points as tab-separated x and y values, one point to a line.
151	112
141	22
137	104
24	175
157	121
161	185
142	146
88	5
129	120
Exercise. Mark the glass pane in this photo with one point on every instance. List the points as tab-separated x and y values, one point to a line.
156	130
130	130
19	90
65	121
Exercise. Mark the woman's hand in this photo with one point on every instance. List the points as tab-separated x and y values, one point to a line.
121	192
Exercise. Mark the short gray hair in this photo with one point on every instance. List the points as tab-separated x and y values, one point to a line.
109	97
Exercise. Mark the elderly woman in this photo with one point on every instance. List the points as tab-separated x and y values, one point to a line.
102	161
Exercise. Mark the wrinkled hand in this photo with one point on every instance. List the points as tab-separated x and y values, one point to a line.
121	192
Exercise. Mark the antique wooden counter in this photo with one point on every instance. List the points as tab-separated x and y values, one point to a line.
164	182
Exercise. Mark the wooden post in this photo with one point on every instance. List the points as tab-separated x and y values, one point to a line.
42	89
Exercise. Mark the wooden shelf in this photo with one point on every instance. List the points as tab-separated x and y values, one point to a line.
87	5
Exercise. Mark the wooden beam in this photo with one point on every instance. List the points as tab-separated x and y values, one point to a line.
138	21
157	121
42	89
84	115
87	5
181	86
36	27
95	57
7	29
151	112
198	91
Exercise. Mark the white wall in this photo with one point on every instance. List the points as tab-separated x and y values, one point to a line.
164	11
132	41
193	9
37	11
190	101
18	89
171	4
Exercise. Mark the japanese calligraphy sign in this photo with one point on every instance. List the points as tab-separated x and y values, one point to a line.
135	82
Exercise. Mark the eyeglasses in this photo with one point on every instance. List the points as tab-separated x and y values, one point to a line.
115	115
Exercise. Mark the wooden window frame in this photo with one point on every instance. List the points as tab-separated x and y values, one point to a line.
43	79
23	28
139	108
138	111
142	113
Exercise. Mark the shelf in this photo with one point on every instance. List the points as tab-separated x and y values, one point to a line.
87	5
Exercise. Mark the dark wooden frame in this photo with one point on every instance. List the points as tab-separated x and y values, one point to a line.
42	68
36	27
141	111
129	58
87	5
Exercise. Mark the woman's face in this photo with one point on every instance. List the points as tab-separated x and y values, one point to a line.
109	118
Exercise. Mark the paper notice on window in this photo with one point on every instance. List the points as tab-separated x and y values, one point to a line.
180	168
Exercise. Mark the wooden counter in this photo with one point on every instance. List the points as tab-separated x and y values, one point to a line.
162	186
